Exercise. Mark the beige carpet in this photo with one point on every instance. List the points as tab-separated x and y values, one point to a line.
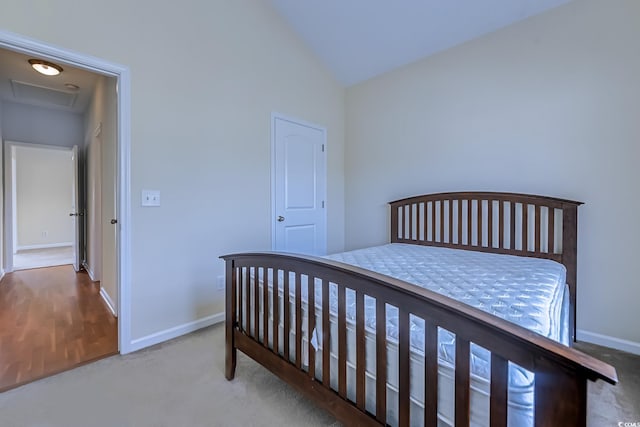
181	383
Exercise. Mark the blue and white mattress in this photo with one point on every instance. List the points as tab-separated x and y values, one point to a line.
530	292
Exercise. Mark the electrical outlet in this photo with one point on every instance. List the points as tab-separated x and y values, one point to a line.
150	198
221	283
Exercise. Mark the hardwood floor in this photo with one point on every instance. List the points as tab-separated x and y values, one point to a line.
51	320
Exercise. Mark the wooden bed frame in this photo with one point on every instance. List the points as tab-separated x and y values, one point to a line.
517	224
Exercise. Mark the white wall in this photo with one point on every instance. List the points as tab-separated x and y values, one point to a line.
547	106
200	132
37	125
44	180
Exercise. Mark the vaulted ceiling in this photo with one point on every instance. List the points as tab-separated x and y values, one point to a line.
360	39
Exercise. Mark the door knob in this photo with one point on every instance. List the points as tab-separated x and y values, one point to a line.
280	218
114	221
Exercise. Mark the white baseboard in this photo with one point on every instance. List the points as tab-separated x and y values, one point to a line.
158	337
107	299
45	246
90	272
608	341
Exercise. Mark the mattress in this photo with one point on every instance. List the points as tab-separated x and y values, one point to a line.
530	292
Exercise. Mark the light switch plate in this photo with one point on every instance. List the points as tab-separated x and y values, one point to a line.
150	197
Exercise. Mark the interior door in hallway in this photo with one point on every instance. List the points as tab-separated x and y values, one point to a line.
76	212
300	187
109	194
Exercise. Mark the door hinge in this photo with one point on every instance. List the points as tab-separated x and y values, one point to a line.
323	204
323	148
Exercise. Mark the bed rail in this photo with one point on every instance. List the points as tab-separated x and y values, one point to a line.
561	373
505	223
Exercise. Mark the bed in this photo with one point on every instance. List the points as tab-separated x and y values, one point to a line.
465	318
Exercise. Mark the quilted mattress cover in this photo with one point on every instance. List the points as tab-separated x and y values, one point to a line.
530	292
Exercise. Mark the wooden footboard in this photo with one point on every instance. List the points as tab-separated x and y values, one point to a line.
260	324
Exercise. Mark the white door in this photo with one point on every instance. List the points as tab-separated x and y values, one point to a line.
109	280
300	187
76	211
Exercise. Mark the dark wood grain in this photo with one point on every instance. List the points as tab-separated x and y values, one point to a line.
276	313
360	352
287	317
430	374
51	320
298	319
381	362
499	391
265	309
230	321
326	335
312	325
462	382
404	379
342	342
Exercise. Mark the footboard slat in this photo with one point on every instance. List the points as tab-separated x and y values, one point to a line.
381	361
265	309
462	382
360	351
403	366
256	304
430	373
326	335
247	305
311	351
287	317
298	321
342	342
276	313
499	391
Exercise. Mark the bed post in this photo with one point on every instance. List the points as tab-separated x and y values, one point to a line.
230	314
394	223
569	257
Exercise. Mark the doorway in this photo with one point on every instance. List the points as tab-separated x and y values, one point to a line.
121	152
43	223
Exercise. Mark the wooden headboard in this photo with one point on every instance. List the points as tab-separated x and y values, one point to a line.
505	223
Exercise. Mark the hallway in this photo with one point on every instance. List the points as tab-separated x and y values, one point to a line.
51	320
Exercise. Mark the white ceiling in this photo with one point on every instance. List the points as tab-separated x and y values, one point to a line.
360	39
40	90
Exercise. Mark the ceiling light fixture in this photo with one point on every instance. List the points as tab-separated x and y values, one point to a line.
45	67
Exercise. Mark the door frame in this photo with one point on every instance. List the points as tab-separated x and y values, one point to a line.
275	116
22	44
